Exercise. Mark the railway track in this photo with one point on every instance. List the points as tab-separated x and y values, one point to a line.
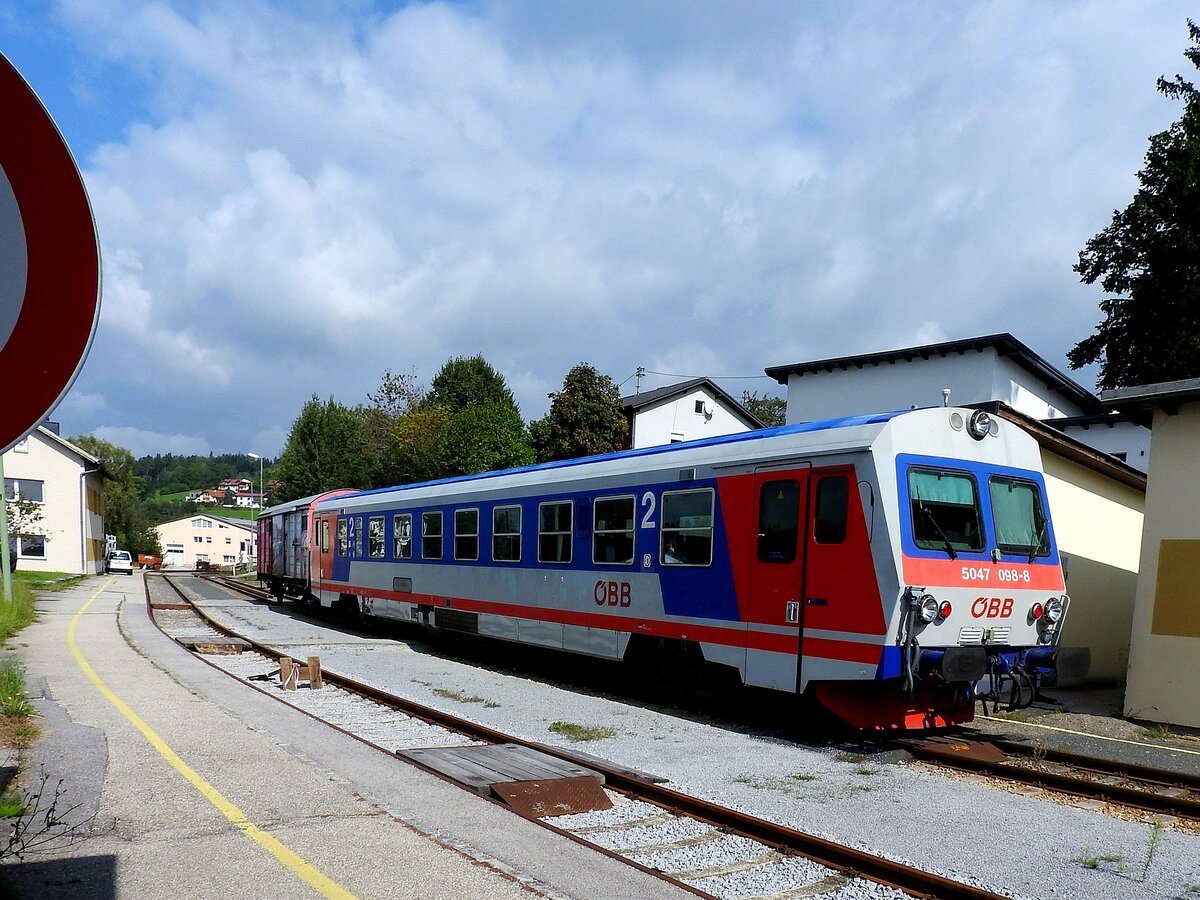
1141	788
706	848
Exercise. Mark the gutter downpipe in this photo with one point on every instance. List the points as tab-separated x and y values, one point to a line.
83	520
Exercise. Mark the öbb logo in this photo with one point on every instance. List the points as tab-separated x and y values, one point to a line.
612	593
992	607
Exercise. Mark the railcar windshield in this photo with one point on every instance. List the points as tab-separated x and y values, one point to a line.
1019	515
945	510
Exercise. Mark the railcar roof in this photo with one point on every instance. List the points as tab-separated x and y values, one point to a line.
687	446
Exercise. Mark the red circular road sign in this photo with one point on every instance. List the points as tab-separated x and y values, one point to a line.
49	262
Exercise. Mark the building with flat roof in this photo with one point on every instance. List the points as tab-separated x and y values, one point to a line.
1164	655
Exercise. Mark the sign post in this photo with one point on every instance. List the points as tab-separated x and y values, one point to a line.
49	267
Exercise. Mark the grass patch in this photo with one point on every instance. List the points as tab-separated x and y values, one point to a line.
16	615
13	701
1158	732
460	697
803	776
574	732
11	805
866	770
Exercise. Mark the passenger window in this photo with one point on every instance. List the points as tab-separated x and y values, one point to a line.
506	534
687	528
431	535
945	510
466	534
612	534
554	531
832	508
375	537
358	537
343	539
324	535
778	521
402	536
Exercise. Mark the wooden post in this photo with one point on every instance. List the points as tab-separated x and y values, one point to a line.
289	673
314	673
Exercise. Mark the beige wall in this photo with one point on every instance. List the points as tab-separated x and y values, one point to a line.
71	512
1098	524
1164	660
217	540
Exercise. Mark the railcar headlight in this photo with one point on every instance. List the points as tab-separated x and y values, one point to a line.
1054	609
979	425
927	608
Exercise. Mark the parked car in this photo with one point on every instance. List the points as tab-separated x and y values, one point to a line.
119	561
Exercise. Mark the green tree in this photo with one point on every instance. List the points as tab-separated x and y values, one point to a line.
124	515
325	450
396	396
771	411
585	418
485	437
417	451
466	381
1148	258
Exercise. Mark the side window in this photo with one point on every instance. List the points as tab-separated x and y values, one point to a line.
466	534
506	534
358	537
343	539
687	528
612	532
375	537
554	531
324	535
778	521
402	536
431	535
832	507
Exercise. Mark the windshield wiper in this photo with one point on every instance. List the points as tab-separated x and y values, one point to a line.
1037	541
928	513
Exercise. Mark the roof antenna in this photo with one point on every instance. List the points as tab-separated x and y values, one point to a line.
945	396
640	374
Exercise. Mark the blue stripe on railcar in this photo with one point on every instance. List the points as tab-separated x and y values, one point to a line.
688	591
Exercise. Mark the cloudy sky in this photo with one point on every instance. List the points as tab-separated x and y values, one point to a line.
293	197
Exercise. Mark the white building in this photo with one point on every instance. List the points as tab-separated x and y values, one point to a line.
995	367
684	412
65	483
206	538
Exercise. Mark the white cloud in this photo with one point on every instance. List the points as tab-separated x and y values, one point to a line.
314	200
142	443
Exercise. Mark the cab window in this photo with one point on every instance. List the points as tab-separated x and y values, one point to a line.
944	505
1019	516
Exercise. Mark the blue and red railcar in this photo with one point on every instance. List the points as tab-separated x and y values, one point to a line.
881	564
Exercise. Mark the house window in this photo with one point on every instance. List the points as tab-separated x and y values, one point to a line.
208	540
201	557
229	559
466	534
506	534
31	546
431	535
343	539
201	523
554	531
687	528
229	540
612	534
402	536
198	539
375	537
24	489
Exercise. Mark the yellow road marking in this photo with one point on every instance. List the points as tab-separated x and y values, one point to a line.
1098	737
302	869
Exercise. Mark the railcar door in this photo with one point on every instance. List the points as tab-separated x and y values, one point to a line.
780	506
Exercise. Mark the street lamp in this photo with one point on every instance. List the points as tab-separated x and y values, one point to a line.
262	494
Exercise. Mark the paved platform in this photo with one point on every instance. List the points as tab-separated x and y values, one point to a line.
187	783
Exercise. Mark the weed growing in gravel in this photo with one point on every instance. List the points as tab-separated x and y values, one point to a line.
1152	843
843	756
1090	860
460	697
803	776
866	770
11	805
574	732
1192	889
1158	732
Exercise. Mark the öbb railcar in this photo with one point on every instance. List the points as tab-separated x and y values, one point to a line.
882	564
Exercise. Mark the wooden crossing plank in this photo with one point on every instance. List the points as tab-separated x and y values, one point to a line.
480	767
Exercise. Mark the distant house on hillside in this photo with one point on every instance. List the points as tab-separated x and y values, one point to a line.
686	411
